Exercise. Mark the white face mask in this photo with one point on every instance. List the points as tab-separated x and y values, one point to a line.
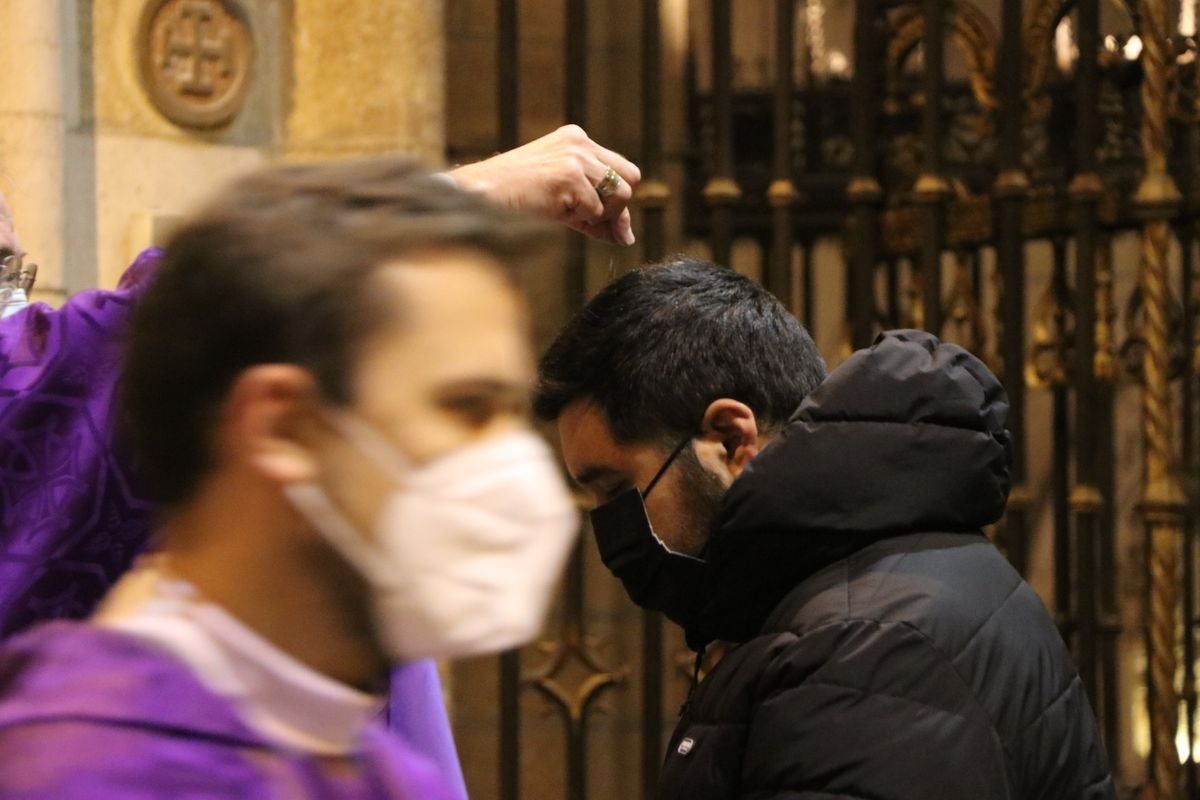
467	549
11	301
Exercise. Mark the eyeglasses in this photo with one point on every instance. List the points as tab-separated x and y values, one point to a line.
16	274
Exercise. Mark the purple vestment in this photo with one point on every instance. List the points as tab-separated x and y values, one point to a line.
70	522
87	713
71	519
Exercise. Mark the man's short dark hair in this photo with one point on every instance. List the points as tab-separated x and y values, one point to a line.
659	344
277	270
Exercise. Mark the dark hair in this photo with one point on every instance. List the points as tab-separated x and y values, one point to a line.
277	270
659	344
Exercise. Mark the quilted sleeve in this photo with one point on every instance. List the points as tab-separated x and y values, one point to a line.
880	716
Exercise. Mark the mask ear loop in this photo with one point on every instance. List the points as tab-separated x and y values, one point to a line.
667	464
382	453
339	532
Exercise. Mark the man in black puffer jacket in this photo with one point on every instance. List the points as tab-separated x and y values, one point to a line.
885	649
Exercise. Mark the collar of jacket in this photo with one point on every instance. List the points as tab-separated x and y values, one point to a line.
906	436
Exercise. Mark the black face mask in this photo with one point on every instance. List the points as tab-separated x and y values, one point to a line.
654	576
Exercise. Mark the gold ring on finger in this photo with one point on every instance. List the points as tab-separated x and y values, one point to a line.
609	184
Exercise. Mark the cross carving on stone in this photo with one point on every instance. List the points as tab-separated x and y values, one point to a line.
199	39
196	59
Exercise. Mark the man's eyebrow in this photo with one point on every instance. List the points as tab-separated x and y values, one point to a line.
592	474
482	386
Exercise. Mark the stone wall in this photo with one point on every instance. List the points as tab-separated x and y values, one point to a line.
95	171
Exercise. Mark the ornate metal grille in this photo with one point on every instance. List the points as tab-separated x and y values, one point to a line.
935	188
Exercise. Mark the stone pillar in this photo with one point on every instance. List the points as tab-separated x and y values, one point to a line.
367	78
31	138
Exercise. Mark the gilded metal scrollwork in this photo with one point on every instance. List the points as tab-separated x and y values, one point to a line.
994	355
915	296
1039	34
1104	364
972	32
1162	354
962	311
1133	350
837	152
1183	105
969	136
574	676
1052	329
977	38
573	703
1117	141
903	154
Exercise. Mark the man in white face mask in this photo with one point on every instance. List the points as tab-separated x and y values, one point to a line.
328	386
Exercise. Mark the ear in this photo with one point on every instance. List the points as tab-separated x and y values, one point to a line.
266	412
731	424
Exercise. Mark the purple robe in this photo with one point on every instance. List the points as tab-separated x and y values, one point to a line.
92	714
71	518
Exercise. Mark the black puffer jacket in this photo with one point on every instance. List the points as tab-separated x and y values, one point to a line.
889	650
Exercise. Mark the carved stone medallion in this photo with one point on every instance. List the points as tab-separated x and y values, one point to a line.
196	59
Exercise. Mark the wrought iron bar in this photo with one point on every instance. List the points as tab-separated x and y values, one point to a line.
1084	193
893	294
653	193
722	191
653	196
652	701
576	57
576	721
864	192
508	113
782	194
808	282
510	725
573	640
1109	620
574	704
508	72
575	106
1011	187
1064	600
932	190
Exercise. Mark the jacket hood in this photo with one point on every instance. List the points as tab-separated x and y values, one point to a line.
906	436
